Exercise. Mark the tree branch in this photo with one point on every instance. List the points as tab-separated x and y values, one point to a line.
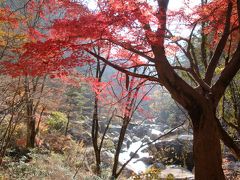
117	67
220	47
130	48
226	76
227	140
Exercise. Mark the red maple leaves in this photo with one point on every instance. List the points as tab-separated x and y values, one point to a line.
130	27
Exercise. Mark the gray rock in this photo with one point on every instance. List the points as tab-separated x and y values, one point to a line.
131	126
154	134
135	156
173	151
157	165
145	150
146	160
140	131
107	157
145	139
128	143
136	139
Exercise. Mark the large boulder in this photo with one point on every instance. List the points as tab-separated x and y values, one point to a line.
177	151
136	139
146	139
107	158
114	129
140	131
146	160
154	134
131	126
132	154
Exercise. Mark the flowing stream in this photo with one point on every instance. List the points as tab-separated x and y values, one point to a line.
137	164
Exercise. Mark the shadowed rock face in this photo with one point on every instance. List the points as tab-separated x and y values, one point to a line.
174	151
134	155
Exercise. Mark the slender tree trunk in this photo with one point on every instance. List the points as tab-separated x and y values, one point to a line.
98	162
95	129
206	146
68	120
115	174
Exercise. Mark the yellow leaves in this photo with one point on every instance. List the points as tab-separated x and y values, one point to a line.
12	34
3	34
11	39
219	69
21	37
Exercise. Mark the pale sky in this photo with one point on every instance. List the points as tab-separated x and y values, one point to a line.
173	5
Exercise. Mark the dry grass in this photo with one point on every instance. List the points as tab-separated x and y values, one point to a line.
59	161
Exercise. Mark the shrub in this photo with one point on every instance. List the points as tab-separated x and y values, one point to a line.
170	177
108	144
151	173
57	121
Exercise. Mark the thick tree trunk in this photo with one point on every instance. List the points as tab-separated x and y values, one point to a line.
31	130
31	134
206	147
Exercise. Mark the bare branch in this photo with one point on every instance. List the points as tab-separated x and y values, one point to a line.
119	68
